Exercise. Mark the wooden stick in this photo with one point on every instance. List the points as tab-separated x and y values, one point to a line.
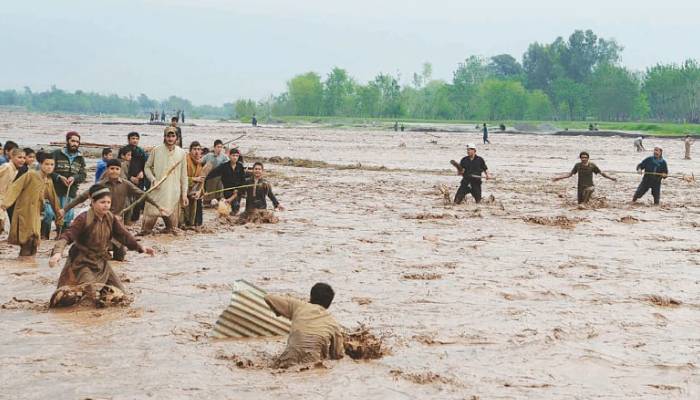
233	140
152	188
461	170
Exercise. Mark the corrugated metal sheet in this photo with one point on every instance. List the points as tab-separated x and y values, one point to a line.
248	315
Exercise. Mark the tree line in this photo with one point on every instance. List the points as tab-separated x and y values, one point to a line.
58	100
577	78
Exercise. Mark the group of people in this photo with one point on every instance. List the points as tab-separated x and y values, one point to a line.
654	169
41	189
177	115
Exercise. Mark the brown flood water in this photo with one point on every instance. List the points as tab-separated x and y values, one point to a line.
527	296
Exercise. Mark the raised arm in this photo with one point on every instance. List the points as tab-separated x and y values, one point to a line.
14	191
605	175
272	197
125	237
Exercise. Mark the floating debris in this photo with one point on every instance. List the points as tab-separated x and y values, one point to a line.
248	315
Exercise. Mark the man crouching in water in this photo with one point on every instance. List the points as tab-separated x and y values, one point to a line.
314	334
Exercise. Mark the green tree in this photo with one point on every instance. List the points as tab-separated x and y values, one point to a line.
337	91
389	95
614	93
539	66
306	93
505	66
500	100
466	80
244	109
585	50
573	96
538	107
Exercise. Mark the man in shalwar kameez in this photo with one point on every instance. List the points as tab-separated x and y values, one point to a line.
8	173
28	194
172	192
87	273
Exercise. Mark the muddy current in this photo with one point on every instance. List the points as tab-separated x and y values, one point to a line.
523	296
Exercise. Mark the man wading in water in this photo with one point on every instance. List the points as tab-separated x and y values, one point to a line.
654	169
314	334
470	167
585	170
87	273
122	192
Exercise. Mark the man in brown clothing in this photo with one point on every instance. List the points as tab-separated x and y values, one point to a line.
87	273
314	334
585	170
122	191
28	194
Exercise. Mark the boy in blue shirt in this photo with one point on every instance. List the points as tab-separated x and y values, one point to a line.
102	164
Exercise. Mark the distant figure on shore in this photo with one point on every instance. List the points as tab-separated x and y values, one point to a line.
157	116
152	117
502	127
402	127
638	144
162	116
182	116
396	126
486	134
688	141
254	121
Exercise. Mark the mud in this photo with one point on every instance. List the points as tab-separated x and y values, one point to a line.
362	344
522	310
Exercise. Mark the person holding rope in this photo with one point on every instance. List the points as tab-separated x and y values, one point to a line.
215	158
688	142
28	194
87	273
585	170
135	171
68	174
654	169
471	168
232	175
256	190
194	214
166	165
122	193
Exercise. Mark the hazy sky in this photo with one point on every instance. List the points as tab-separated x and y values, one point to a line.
212	51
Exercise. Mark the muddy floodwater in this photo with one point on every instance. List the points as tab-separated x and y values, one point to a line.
525	296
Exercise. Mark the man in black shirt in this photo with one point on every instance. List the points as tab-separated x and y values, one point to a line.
258	190
471	167
232	174
135	171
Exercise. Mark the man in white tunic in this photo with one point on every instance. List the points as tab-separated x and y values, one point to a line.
171	194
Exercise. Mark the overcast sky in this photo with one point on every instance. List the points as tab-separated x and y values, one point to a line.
214	51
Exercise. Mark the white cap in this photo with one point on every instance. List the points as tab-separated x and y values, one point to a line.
658	146
471	146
